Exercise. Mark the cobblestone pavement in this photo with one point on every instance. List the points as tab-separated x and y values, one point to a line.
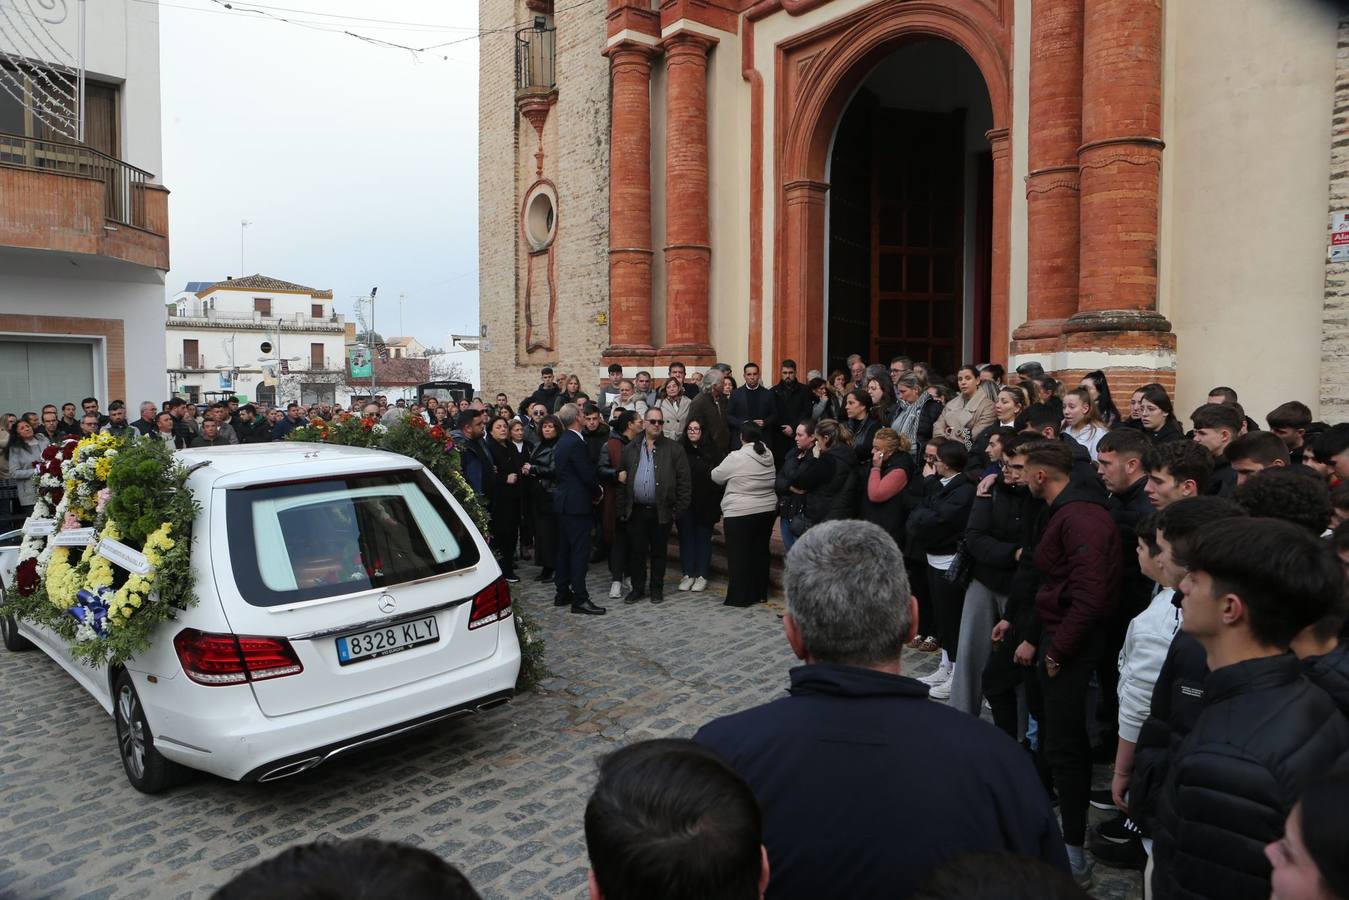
499	794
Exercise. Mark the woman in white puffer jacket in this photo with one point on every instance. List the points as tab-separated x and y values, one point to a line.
749	508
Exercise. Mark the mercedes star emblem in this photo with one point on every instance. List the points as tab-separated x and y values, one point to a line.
387	604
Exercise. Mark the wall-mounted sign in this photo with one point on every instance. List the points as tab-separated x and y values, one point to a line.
1339	237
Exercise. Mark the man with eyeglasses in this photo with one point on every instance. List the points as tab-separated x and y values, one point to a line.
654	488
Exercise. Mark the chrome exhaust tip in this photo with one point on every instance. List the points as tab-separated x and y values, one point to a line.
289	769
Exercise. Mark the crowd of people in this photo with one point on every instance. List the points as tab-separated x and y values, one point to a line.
1110	582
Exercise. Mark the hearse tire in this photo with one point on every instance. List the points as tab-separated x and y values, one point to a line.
146	769
9	631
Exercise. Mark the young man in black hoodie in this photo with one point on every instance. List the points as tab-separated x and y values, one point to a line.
1215	426
1264	731
546	393
1078	558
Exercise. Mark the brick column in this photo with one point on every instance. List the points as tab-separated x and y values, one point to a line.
630	205
798	325
688	250
1054	136
1117	324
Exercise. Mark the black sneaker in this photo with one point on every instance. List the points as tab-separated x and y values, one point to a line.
1119	830
1130	855
512	579
633	596
1102	800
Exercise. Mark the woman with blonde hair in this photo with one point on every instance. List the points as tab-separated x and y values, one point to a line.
892	468
1082	421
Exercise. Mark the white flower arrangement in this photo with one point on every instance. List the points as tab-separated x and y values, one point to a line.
379	429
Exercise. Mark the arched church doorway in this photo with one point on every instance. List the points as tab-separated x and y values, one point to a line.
910	213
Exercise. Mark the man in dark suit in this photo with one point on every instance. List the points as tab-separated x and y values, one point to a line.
572	501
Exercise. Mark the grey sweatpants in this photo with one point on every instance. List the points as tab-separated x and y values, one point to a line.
983	608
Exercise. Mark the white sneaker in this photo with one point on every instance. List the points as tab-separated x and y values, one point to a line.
937	675
699	584
686	582
940	691
615	590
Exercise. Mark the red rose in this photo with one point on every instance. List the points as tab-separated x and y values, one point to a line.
367	424
57	494
437	433
26	577
68	449
416	421
50	452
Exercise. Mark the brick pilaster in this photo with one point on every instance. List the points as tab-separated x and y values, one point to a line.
688	250
1054	135
1120	164
630	205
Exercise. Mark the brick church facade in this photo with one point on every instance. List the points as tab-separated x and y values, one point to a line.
1142	186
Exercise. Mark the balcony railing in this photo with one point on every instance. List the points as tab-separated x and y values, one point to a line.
123	184
535	60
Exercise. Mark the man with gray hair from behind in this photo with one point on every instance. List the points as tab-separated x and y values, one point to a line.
867	786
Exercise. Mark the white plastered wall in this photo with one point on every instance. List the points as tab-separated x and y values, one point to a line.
1248	93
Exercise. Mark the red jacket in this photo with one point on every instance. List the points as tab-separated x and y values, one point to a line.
1079	561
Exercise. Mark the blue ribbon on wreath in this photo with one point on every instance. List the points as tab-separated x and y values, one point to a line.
91	608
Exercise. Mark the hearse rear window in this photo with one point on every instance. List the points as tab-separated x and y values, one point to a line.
314	539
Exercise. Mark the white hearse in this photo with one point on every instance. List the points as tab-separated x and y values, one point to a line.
343	597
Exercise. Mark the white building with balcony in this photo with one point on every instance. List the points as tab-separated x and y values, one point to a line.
258	338
83	217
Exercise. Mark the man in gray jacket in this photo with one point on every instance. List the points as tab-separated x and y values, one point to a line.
654	489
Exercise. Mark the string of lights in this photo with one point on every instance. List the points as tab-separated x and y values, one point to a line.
67	90
335	28
52	50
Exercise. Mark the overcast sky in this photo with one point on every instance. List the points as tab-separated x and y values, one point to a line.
356	165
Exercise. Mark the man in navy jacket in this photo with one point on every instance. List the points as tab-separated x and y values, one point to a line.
865	785
573	498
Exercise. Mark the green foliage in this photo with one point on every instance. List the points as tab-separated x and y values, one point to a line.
533	668
140	476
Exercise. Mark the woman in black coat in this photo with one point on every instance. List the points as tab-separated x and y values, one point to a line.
995	531
802	472
857	406
836	498
542	480
695	523
506	501
934	529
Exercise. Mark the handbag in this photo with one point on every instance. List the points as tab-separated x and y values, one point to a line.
799	524
791	506
961	569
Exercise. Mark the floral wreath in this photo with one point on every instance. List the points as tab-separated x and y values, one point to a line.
122	491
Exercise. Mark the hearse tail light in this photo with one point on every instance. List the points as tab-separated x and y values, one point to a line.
224	659
491	604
